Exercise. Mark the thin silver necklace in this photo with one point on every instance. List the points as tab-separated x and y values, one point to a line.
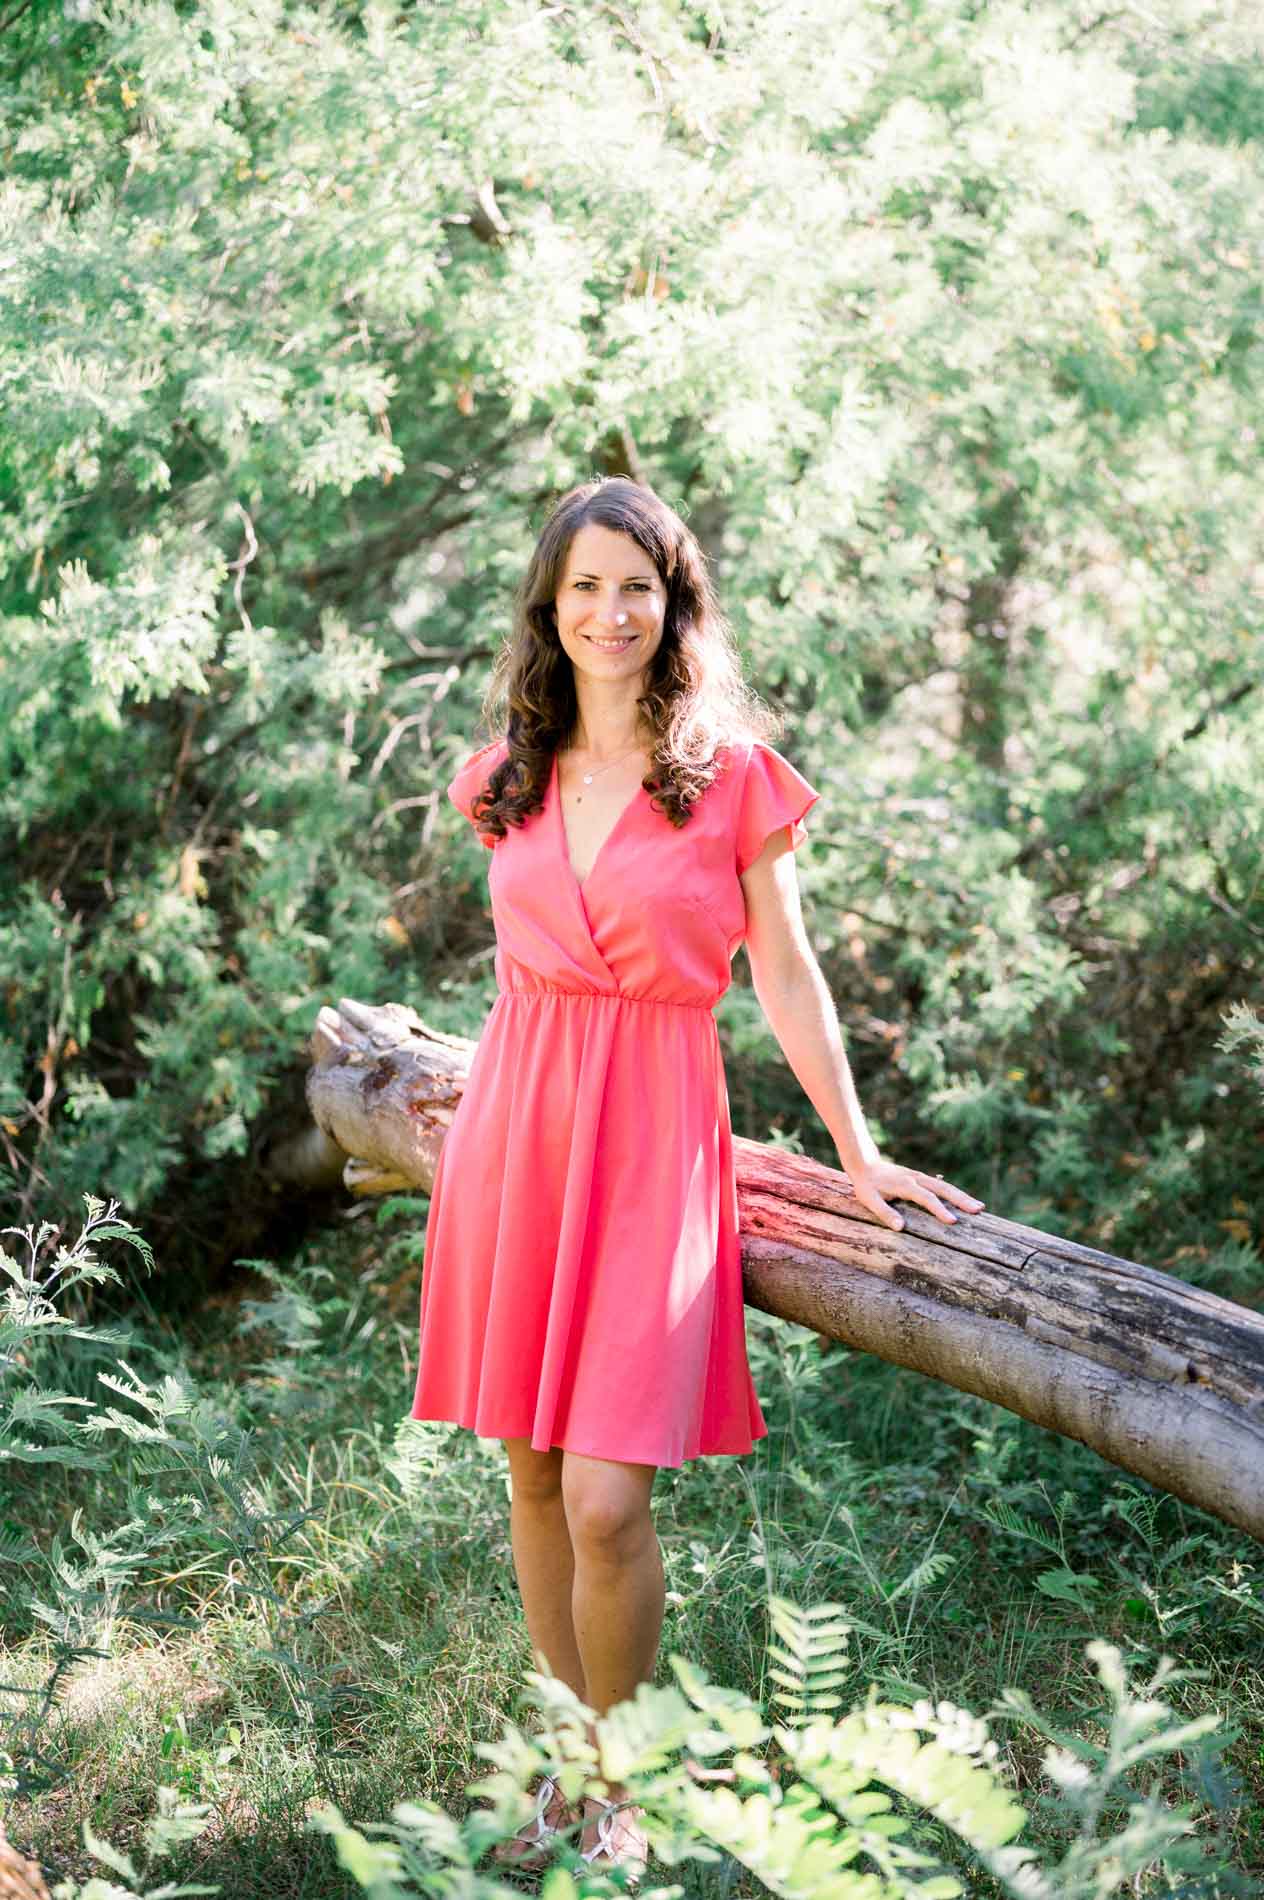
588	777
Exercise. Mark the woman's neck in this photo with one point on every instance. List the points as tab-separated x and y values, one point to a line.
603	733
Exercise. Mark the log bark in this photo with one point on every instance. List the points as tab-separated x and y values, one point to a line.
1159	1377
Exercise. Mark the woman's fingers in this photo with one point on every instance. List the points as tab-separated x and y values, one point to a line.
921	1188
871	1199
958	1196
920	1191
925	1189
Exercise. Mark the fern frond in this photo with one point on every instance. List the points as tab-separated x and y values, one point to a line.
808	1658
1002	1517
14	1546
790	1846
880	1743
932	1566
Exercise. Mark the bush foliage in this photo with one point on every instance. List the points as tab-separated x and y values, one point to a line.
941	324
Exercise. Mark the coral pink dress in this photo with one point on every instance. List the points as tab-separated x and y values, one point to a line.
582	1283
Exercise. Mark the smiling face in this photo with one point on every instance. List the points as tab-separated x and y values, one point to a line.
611	604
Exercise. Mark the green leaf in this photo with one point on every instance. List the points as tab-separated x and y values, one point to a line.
109	1856
1068	1586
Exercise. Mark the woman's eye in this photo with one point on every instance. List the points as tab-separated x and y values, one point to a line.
635	587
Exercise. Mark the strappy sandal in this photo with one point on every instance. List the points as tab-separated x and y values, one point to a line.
631	1859
531	1846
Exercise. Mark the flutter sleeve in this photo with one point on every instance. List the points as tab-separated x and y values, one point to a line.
471	777
774	796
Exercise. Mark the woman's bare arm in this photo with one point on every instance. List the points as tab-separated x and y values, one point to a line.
796	1001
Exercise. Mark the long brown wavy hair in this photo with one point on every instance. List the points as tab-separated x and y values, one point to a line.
695	699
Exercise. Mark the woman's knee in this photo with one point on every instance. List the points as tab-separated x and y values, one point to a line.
535	1476
607	1506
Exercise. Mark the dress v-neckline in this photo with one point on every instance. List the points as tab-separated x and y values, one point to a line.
581	883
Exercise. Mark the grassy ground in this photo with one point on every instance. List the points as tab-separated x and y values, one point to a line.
397	1644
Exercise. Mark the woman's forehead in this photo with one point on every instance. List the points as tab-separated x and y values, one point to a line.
599	551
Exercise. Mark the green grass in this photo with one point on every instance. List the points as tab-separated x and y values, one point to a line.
396	1603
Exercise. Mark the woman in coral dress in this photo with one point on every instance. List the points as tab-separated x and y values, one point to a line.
582	1286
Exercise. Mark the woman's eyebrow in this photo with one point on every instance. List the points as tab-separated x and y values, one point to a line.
597	577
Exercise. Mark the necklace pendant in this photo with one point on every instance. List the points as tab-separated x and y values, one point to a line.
588	778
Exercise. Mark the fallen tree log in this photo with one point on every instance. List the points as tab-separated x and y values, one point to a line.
1159	1377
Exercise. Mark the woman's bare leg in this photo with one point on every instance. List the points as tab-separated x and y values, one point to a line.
545	1568
618	1595
544	1562
590	1574
619	1592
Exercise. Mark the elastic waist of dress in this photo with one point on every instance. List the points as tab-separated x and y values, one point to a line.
542	991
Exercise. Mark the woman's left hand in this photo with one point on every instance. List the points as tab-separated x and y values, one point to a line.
882	1178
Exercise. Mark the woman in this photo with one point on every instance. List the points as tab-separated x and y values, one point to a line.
582	1286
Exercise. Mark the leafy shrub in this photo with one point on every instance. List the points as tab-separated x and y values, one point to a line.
819	1808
